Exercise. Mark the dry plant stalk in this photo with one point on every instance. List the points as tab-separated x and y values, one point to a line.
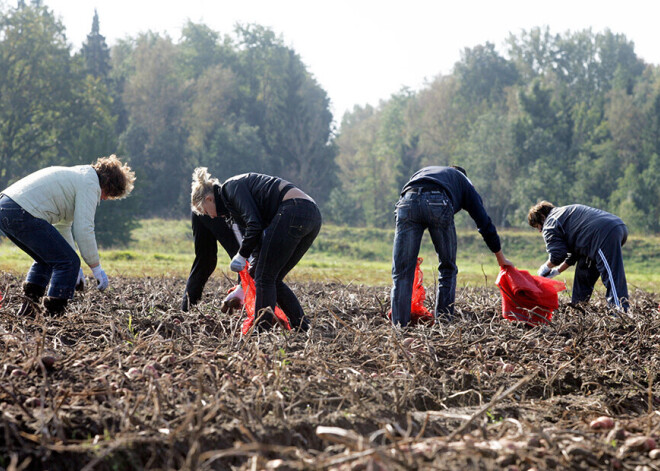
125	380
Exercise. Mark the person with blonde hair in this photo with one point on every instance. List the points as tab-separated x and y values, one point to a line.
207	232
279	223
47	213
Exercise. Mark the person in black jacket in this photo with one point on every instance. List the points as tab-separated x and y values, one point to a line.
429	201
279	223
590	237
207	232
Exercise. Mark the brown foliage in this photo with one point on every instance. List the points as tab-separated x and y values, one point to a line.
125	380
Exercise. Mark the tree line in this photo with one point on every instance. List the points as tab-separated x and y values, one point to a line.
232	103
569	118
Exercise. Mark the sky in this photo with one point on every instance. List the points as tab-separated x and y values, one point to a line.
363	51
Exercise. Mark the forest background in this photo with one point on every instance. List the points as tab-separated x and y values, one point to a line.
570	117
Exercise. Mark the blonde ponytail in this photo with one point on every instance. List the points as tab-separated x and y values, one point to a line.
202	185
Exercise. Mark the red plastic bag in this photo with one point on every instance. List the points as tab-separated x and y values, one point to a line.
418	313
528	298
250	299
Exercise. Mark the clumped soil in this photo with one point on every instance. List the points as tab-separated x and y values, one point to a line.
125	380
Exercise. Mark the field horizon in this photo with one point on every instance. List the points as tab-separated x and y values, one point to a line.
343	254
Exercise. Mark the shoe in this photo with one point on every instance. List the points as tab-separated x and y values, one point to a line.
265	319
33	294
234	300
55	306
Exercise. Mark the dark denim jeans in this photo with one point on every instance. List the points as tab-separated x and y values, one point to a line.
55	262
416	212
285	241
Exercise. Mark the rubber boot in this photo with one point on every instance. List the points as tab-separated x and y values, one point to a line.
33	293
265	319
55	306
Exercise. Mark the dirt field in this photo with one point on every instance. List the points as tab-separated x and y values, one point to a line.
126	381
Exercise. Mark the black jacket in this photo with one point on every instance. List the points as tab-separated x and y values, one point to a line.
462	194
575	231
207	232
251	201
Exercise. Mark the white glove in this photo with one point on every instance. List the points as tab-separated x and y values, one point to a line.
237	263
101	277
233	300
237	293
552	273
543	270
80	282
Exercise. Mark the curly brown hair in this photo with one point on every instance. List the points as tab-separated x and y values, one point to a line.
116	179
538	213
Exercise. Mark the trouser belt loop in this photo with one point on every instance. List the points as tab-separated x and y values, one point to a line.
418	190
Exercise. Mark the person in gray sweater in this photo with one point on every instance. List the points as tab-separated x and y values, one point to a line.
589	238
47	213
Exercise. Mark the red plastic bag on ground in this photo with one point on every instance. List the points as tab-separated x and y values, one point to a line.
250	299
528	298
418	313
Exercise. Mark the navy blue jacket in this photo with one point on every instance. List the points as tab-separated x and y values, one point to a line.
575	231
462	194
251	201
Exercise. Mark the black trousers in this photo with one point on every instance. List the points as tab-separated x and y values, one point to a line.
285	241
608	265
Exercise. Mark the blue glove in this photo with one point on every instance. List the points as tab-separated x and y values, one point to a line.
543	270
101	277
237	263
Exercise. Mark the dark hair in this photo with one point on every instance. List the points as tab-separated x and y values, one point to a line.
460	169
538	213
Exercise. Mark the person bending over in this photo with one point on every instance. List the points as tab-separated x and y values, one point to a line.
207	232
429	201
279	222
46	211
589	238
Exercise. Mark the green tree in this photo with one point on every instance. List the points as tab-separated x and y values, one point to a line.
95	52
359	171
35	89
636	197
154	97
484	75
440	121
492	165
290	110
201	49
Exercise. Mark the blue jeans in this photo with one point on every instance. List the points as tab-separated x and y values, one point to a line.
55	262
287	238
416	212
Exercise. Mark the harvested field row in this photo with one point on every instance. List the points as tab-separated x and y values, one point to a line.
126	381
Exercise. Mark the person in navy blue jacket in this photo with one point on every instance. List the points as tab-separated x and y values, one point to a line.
429	201
590	237
278	221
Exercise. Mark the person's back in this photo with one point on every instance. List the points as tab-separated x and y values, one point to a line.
584	228
52	193
429	201
589	238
